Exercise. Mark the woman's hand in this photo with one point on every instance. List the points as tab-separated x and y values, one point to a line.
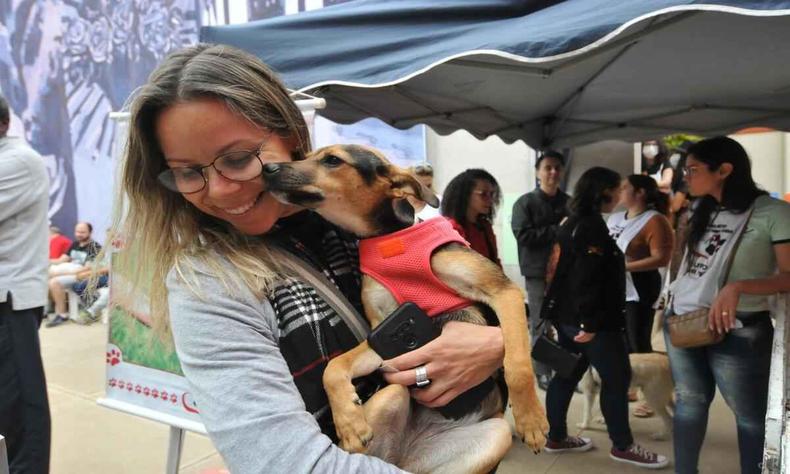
462	357
721	317
584	337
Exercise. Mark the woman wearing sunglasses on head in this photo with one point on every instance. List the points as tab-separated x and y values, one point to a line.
470	202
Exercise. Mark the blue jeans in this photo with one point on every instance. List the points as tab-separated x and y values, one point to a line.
739	367
608	354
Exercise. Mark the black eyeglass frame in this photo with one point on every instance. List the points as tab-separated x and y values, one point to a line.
200	170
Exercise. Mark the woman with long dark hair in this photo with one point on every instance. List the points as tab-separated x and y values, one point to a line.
585	302
732	219
470	202
644	234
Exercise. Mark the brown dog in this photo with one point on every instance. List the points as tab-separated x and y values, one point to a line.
357	189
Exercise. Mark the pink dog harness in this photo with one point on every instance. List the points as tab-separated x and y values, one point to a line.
402	263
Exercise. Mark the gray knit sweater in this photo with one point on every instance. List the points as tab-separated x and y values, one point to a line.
254	414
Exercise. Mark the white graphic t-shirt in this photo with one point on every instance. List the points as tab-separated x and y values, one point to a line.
700	277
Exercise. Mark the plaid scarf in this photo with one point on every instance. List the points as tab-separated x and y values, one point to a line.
310	332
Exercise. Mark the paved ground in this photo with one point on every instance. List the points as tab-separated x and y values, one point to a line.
87	438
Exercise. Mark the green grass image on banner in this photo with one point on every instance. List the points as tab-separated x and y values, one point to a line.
139	345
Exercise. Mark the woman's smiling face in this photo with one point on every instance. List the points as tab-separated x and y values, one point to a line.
194	133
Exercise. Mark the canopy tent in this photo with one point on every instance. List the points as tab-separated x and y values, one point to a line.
552	73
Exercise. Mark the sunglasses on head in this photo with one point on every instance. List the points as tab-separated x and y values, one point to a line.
424	168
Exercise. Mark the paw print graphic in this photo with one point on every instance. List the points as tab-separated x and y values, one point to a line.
114	357
164	395
138	388
113	382
155	393
146	391
129	386
173	398
121	384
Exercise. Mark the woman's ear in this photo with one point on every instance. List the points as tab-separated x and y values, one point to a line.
725	169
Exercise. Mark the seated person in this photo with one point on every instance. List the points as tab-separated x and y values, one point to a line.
76	267
59	244
82	250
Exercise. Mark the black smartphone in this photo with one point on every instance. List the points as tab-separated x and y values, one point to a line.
406	329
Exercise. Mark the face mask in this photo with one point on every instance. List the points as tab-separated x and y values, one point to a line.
650	151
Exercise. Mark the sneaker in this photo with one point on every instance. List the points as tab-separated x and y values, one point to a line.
639	456
57	321
570	444
85	317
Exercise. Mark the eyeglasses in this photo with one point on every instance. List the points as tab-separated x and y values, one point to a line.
485	194
690	170
239	166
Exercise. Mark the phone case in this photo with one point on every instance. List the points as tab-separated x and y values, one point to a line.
406	329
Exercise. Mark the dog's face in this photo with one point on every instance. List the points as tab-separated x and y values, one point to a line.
352	186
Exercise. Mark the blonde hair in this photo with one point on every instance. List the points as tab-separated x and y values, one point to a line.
160	229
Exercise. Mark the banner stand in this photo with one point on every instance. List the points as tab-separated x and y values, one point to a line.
178	428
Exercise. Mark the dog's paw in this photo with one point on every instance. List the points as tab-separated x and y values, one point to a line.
353	430
531	428
600	420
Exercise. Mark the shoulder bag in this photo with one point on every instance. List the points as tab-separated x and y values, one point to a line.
692	329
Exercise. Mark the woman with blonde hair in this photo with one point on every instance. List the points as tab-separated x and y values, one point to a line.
253	341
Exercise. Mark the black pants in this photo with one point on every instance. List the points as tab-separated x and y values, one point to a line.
639	315
607	353
24	409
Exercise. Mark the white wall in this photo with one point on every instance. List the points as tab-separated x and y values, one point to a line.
767	152
511	165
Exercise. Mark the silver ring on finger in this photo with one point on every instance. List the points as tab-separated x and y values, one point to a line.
421	376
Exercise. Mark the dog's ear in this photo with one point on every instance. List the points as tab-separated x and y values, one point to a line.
405	184
403	210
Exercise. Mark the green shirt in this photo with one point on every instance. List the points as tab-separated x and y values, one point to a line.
755	258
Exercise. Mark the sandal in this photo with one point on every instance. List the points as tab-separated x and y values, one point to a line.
643	411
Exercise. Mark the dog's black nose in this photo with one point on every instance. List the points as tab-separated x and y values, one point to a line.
271	168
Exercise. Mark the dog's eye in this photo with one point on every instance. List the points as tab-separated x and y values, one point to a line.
331	161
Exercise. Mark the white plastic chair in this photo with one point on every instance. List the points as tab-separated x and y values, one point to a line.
74	305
